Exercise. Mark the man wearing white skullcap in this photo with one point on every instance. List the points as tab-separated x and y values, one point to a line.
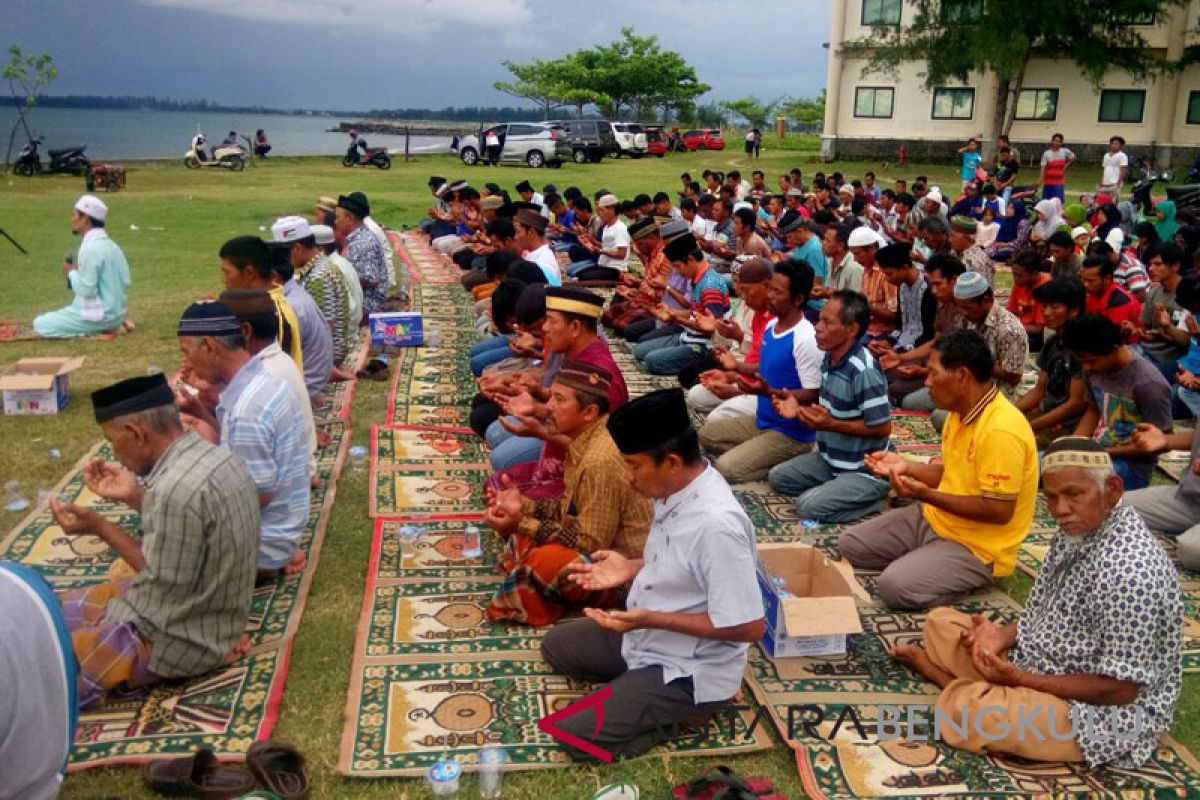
99	277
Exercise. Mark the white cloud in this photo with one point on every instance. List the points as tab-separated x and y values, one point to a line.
410	19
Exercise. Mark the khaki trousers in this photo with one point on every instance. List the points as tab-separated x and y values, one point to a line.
1026	714
746	451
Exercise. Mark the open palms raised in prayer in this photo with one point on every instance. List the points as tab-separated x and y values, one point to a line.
113	482
529	426
520	404
504	509
75	520
608	569
885	463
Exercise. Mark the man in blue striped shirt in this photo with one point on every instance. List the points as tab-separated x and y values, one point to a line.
851	418
259	419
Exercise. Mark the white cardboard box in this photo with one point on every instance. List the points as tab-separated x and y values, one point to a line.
38	385
821	610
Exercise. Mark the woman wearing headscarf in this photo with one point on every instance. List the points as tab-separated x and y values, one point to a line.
1147	240
1075	214
1049	220
1014	232
1166	224
1108	226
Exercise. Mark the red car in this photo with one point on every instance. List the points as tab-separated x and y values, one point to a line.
656	141
704	139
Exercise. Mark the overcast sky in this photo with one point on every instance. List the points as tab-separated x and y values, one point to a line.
359	54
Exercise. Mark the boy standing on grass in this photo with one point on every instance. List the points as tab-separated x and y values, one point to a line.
971	159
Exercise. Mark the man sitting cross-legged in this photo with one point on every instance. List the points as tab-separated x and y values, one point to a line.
851	418
258	418
1092	671
679	652
184	610
974	508
1172	510
598	509
789	365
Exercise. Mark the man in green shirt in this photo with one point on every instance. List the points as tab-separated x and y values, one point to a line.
185	609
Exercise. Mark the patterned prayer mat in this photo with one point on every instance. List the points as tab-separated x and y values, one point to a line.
420	490
23	332
428	445
809	695
225	710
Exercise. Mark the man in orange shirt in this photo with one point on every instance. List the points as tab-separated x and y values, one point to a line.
1027	275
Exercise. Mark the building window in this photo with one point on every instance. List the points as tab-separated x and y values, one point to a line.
881	12
961	11
1193	110
874	101
1040	105
1122	105
953	103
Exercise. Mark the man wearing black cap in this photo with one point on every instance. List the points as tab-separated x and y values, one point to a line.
256	419
185	609
363	249
636	298
708	295
531	236
598	509
679	650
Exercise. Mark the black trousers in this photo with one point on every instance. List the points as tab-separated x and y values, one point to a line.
483	413
689	376
643	710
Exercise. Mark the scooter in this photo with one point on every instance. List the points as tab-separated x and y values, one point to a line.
69	159
231	156
371	157
1147	177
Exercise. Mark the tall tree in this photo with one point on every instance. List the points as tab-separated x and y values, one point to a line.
955	37
751	109
805	111
26	75
536	81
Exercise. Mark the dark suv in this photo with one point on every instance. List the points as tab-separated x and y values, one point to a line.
590	139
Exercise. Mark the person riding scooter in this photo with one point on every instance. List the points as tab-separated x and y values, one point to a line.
357	143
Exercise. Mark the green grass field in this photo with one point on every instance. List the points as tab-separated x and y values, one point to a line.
171	222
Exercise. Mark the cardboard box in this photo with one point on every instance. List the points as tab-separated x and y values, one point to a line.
821	610
398	328
38	385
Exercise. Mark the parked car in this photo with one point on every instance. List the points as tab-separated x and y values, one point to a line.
704	139
590	139
631	140
537	144
656	140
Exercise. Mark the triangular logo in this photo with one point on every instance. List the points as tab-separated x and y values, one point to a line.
547	724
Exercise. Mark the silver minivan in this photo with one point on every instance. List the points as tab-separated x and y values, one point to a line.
536	144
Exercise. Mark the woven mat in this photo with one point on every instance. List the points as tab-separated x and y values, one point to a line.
432	678
23	332
225	710
846	766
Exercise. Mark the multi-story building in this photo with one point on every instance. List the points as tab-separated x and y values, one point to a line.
873	115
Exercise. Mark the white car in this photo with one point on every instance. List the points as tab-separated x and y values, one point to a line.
631	140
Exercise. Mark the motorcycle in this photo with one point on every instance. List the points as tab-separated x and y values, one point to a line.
230	156
1193	175
68	159
1148	176
371	157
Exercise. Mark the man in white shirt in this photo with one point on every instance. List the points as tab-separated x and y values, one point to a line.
531	237
1115	169
525	189
611	251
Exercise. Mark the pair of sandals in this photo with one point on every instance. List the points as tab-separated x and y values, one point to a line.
277	766
722	783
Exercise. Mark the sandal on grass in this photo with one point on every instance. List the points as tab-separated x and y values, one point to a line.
623	790
722	782
198	775
279	767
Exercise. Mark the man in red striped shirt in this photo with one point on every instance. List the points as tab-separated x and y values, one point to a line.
1054	168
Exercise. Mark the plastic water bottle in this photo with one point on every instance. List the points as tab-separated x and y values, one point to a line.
472	542
410	533
358	458
13	499
443	778
491	776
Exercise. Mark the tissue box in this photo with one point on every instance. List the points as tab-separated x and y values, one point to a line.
811	608
38	385
397	328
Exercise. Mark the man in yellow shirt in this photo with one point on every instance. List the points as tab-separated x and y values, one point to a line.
973	510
